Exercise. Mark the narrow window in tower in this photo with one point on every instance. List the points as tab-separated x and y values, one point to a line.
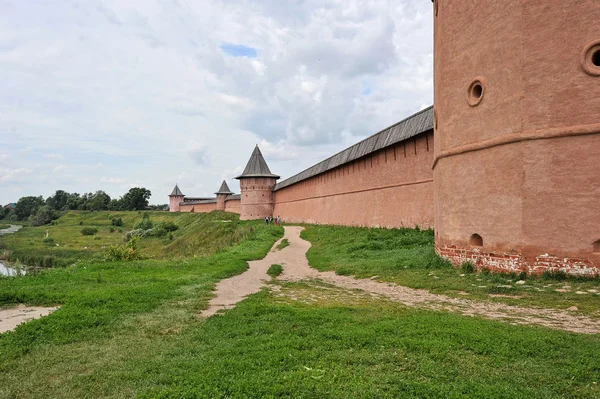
427	142
476	240
596	247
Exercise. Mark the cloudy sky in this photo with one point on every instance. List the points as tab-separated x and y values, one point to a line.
112	94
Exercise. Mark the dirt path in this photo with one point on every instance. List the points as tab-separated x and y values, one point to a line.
10	318
296	268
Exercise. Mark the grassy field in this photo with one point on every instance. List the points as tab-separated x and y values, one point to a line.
198	235
4	226
129	329
406	257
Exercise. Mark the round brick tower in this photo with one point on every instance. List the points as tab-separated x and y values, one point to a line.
175	198
517	143
256	188
222	194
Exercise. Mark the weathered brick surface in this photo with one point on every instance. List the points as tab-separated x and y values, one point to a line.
513	262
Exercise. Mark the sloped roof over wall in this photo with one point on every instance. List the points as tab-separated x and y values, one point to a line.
414	125
200	201
233	197
257	166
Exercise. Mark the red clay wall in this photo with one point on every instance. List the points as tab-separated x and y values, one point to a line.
174	203
232	206
390	188
520	168
198	208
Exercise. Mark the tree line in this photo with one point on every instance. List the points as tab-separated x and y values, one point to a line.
41	211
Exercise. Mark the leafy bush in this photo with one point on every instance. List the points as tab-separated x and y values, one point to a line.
117	222
144	224
123	252
168	226
49	241
275	270
112	230
89	231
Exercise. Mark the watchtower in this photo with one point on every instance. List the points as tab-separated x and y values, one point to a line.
222	194
256	188
175	198
517	143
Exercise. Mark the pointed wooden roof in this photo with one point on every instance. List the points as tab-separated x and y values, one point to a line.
257	166
224	189
176	192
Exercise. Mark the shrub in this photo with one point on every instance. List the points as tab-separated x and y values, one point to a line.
89	231
49	241
168	226
44	216
112	229
81	223
275	270
123	252
117	222
144	224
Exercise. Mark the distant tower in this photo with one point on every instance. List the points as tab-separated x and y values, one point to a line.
256	187
223	192
175	198
517	133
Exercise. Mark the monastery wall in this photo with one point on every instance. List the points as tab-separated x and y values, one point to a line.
198	208
392	187
233	206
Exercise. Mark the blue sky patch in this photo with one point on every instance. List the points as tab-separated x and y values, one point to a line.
238	50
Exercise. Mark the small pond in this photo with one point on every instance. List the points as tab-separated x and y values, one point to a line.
6	270
9	271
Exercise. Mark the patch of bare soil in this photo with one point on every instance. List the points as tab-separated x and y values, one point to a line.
10	318
296	268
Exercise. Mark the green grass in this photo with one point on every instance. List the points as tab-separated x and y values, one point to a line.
272	347
407	257
128	329
4	226
199	234
275	270
284	243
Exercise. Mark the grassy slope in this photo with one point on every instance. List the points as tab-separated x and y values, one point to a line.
199	234
406	257
128	329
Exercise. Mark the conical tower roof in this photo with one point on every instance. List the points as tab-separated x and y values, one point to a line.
176	192
224	189
257	167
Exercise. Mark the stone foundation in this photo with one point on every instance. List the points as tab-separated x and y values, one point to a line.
506	262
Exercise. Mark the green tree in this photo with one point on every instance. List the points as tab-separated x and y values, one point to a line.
27	206
59	200
74	201
115	205
45	215
98	201
136	199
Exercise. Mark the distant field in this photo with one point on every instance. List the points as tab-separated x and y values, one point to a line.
199	234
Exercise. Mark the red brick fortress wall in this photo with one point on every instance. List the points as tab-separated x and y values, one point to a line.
517	138
198	208
232	206
392	187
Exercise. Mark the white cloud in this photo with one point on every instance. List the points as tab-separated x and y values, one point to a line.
142	90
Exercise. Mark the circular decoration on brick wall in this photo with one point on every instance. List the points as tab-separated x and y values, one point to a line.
476	91
590	59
